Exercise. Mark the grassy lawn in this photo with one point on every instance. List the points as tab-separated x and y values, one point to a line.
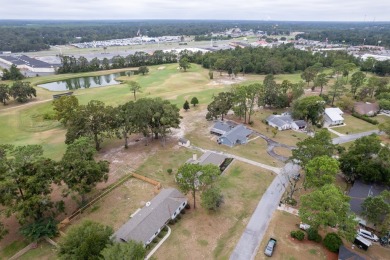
44	251
287	248
354	125
203	235
12	249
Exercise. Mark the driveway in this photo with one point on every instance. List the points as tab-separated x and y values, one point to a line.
353	137
250	240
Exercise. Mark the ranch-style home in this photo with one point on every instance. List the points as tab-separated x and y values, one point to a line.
366	108
333	116
148	222
285	122
231	134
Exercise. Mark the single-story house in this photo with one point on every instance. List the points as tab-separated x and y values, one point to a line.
237	135
222	127
333	116
347	254
285	122
148	222
210	158
366	108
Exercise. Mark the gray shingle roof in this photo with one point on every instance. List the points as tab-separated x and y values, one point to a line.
212	158
360	191
221	127
239	132
150	219
279	120
346	254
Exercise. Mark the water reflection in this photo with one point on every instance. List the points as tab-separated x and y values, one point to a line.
86	82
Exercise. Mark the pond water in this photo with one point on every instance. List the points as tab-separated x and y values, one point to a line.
86	82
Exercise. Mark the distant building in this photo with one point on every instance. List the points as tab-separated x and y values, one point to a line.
147	223
210	158
366	108
333	116
237	135
24	62
184	142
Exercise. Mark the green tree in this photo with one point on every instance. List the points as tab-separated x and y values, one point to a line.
93	120
65	108
220	65
129	250
309	75
186	105
312	147
212	198
3	231
134	87
328	206
21	91
42	228
26	180
385	127
321	80
309	108
184	63
85	241
321	170
194	177
336	90
125	121
274	131
4	93
220	105
143	69
357	80
332	241
79	169
12	74
375	208
194	101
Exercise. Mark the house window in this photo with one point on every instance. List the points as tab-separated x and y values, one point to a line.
156	233
184	203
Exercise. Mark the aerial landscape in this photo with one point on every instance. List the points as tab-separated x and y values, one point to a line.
194	130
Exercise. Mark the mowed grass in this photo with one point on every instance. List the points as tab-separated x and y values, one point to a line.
354	125
213	235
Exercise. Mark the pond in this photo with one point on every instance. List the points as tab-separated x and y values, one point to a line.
86	82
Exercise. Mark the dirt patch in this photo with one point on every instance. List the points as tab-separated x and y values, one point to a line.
161	68
226	80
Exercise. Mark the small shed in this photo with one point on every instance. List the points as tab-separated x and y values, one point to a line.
184	142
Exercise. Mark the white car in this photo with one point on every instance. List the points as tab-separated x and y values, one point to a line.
304	226
367	234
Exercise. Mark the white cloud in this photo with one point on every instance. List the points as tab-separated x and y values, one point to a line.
314	10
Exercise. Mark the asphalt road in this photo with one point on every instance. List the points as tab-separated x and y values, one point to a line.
352	137
250	240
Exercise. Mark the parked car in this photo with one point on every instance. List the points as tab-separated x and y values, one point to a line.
367	234
269	249
304	226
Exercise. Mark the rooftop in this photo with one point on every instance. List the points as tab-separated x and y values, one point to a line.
25	60
334	113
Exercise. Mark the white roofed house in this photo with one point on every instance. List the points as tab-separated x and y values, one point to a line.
285	122
148	222
333	116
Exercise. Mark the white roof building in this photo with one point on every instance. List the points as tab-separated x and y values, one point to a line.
333	116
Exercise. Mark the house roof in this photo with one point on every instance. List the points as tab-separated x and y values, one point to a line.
365	108
183	140
212	158
149	219
300	123
346	254
240	132
334	113
361	191
222	127
280	120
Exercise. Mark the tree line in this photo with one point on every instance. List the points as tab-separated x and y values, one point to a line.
149	117
19	91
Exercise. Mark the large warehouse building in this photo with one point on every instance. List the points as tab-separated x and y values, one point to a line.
24	62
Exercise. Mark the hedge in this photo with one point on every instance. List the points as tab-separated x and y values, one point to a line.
298	235
366	118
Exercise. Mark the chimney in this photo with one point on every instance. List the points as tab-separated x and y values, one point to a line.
194	157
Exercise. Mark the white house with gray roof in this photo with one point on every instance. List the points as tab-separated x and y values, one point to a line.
147	223
285	122
237	135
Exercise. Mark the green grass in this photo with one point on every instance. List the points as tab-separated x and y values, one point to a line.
354	125
43	251
12	249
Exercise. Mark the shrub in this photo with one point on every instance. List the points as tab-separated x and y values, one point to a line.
169	171
291	201
298	235
332	241
366	118
312	235
187	206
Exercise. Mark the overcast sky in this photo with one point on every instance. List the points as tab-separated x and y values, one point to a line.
282	10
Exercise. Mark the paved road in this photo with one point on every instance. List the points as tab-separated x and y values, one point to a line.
250	240
352	137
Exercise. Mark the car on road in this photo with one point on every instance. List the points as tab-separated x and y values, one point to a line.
269	249
367	234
